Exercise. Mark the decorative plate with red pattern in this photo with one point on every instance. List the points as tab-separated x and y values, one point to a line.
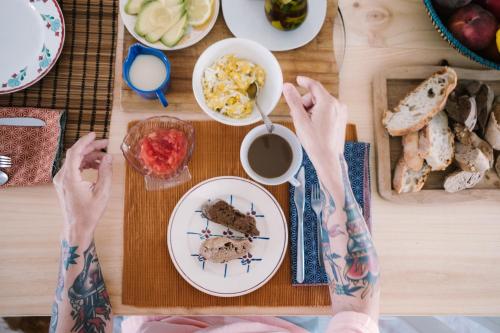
31	39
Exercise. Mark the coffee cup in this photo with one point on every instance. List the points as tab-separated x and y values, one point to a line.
268	160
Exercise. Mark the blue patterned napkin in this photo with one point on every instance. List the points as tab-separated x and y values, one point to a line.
357	155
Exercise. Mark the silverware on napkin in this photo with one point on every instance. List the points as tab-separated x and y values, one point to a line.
22	121
299	198
317	205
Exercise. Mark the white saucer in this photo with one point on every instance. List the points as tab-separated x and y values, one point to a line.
188	228
247	19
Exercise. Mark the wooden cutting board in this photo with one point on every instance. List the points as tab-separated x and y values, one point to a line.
316	59
389	87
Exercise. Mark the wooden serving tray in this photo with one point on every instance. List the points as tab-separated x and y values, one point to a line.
389	87
316	59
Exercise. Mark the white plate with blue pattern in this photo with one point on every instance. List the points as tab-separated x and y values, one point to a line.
188	228
32	37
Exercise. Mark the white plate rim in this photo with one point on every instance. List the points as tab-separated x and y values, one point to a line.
129	23
40	75
266	279
223	119
277	49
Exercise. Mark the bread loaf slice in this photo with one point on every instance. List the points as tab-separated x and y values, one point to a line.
484	100
406	180
497	166
471	159
437	142
418	107
493	128
411	151
461	180
462	109
223	249
469	138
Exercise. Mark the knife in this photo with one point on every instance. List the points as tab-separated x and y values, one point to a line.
22	121
299	198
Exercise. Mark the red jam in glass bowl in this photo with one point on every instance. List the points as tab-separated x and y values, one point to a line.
159	147
163	150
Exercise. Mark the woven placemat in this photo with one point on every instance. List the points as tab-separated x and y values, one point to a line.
81	81
149	277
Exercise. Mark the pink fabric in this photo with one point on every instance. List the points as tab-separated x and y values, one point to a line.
345	322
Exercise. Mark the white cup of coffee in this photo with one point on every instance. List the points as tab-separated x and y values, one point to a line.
271	159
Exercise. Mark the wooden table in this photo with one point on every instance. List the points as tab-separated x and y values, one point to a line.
435	259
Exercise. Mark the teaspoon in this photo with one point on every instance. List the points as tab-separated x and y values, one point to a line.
3	178
253	92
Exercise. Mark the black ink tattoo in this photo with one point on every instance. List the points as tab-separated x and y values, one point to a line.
89	299
358	270
69	254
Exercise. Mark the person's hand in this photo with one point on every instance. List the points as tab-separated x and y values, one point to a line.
320	121
84	202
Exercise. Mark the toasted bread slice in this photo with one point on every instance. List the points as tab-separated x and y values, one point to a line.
437	142
405	180
418	107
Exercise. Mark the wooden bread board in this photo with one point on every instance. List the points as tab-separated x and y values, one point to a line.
389	87
316	59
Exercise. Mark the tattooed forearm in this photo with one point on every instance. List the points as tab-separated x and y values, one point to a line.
349	253
83	306
88	296
68	257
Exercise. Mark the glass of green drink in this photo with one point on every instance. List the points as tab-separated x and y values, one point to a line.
286	14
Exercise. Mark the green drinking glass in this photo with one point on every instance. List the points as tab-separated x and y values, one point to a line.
286	14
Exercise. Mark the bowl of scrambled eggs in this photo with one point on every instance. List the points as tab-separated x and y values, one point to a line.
223	74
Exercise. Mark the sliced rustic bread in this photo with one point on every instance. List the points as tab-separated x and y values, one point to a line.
406	180
493	128
471	159
418	107
461	180
437	142
411	151
484	100
469	138
497	166
462	109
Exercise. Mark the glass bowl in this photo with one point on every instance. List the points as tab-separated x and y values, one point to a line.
131	147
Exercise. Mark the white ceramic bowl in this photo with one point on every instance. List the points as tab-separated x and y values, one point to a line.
269	94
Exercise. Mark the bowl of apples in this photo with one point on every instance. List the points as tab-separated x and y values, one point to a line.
471	26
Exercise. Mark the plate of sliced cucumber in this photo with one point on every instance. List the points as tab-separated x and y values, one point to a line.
169	24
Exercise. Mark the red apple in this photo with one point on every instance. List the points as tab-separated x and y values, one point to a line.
453	3
491	52
492	5
474	26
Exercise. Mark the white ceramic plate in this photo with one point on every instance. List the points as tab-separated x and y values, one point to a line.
193	35
269	94
247	19
187	230
32	37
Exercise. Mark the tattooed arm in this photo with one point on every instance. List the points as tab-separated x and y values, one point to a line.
350	258
81	302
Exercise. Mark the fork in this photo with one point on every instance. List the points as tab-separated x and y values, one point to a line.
317	206
5	162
